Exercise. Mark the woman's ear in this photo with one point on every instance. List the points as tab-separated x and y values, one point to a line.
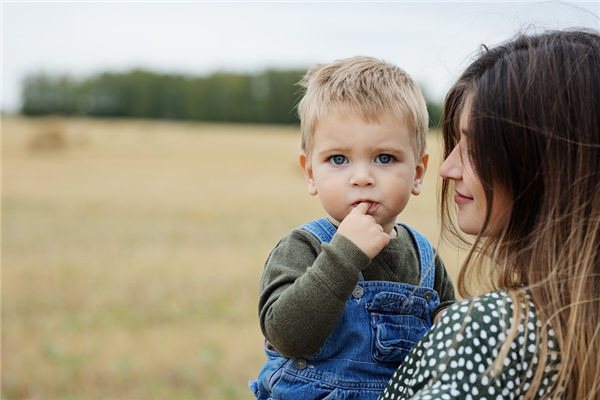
420	170
308	173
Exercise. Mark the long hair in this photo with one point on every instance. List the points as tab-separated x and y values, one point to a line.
534	132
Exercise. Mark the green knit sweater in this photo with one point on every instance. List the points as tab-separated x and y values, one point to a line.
305	285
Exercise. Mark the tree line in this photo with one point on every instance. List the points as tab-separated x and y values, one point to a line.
270	96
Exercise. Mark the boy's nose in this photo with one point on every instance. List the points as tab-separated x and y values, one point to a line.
362	176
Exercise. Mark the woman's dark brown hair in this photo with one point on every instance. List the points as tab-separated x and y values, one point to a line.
534	132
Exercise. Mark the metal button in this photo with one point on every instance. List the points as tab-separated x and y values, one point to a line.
358	292
427	296
300	363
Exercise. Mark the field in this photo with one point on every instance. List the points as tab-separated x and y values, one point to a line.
132	250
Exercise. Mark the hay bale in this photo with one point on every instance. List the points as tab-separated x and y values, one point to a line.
51	136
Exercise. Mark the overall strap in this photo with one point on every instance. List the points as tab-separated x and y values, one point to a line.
426	256
322	229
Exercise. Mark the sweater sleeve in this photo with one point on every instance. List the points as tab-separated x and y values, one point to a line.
304	289
443	286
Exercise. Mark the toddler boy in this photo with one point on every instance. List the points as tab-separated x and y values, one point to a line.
344	298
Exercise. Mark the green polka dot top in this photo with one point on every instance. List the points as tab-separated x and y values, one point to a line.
454	359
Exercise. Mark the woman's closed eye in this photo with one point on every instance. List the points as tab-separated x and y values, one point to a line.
384	158
338	159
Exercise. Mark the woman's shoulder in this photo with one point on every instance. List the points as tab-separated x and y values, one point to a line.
481	321
488	308
491	315
487	301
462	355
482	325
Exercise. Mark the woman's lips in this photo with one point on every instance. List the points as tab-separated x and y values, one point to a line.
461	198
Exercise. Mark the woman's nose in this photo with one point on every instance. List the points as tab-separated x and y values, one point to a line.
451	168
362	175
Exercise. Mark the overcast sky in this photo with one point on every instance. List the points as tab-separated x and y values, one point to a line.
433	41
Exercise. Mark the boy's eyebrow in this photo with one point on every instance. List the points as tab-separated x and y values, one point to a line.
373	149
383	149
334	149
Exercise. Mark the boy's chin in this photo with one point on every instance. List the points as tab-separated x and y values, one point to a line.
334	221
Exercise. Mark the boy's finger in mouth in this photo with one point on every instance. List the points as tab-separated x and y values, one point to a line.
370	209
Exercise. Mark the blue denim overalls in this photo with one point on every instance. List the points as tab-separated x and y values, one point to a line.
382	321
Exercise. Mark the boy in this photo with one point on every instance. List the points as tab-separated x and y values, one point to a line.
344	298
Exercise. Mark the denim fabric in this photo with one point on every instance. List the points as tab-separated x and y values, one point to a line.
381	322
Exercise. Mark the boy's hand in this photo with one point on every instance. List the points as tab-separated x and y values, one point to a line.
362	230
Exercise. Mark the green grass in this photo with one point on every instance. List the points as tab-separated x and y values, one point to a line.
132	250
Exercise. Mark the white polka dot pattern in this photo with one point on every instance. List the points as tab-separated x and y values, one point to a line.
454	360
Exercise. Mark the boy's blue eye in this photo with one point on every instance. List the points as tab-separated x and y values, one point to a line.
338	159
384	158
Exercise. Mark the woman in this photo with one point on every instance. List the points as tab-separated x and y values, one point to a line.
522	163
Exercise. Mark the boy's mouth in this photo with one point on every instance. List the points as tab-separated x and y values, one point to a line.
372	205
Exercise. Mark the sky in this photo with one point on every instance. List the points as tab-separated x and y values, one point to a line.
432	41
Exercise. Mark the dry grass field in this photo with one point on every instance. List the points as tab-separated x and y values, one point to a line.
132	250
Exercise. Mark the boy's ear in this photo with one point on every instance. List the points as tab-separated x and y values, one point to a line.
420	174
308	173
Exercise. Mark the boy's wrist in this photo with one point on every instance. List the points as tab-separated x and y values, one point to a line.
349	253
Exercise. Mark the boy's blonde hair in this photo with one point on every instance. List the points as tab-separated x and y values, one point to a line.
365	86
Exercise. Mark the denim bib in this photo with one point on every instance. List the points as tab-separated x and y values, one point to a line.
381	322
